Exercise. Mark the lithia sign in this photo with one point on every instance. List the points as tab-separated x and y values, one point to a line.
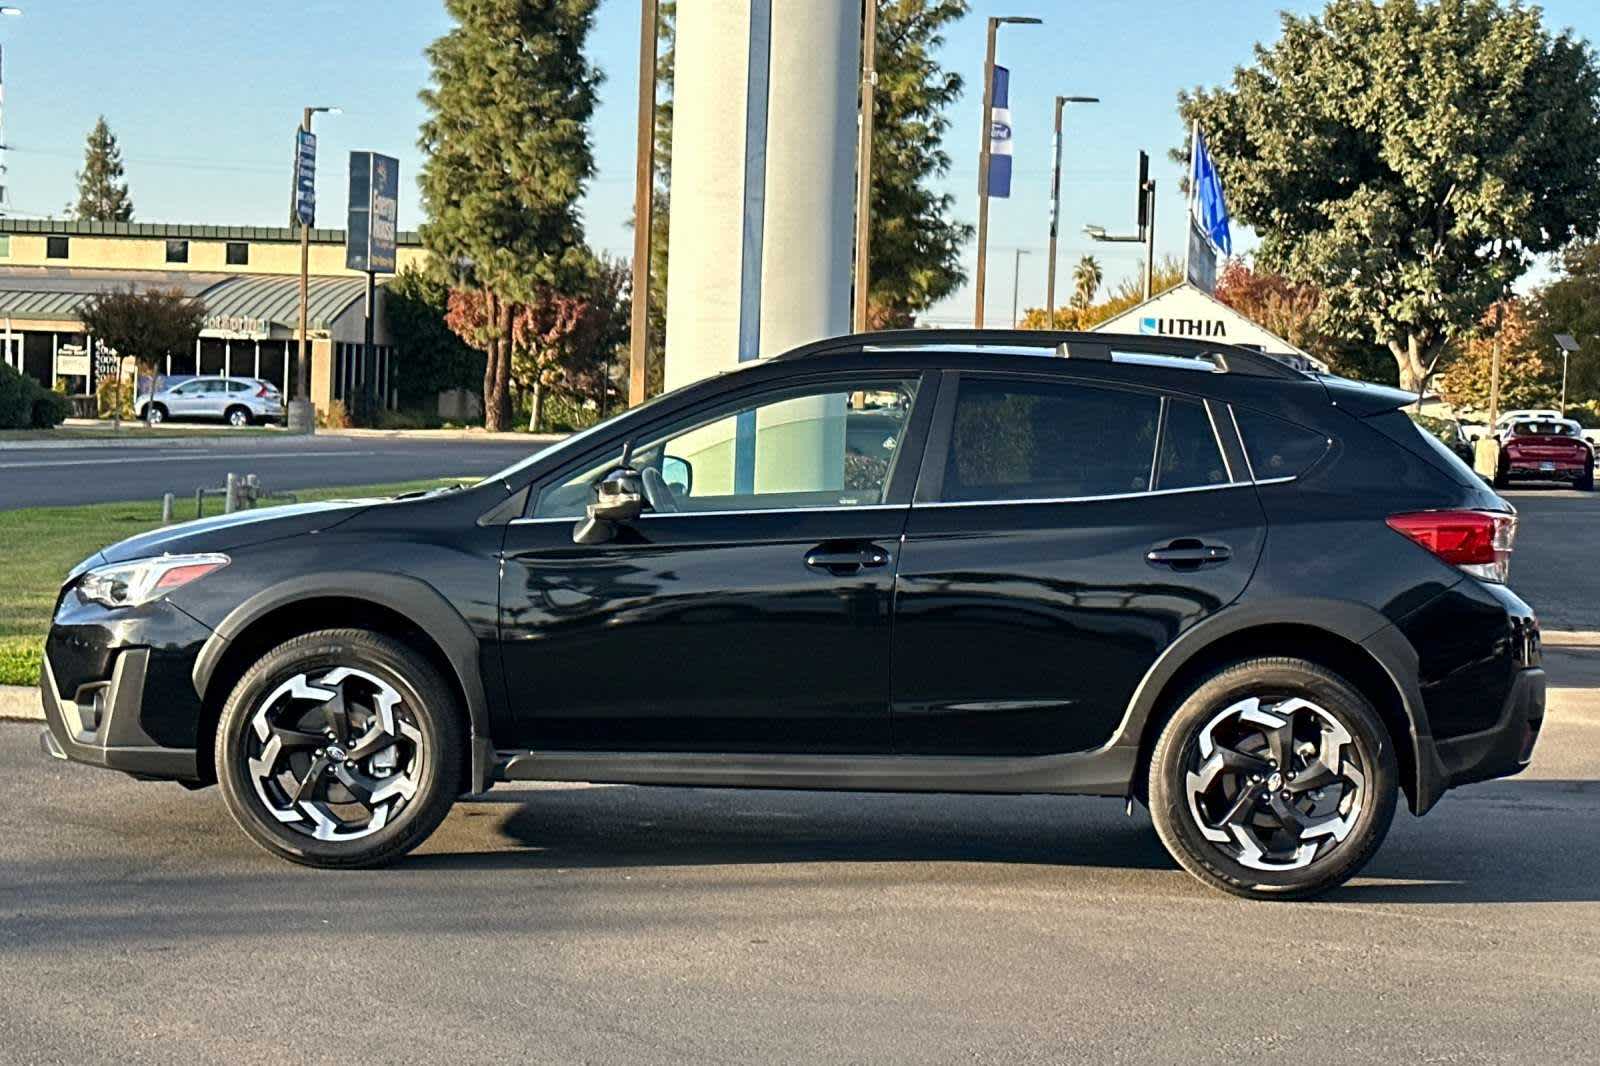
1208	328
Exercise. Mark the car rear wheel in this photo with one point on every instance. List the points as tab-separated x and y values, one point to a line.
1274	779
1585	483
340	748
238	416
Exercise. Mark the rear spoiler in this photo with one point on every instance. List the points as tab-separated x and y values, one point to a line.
1364	399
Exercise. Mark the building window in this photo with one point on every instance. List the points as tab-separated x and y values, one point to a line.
177	251
55	247
238	254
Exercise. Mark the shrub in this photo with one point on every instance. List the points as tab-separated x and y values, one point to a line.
409	419
108	400
335	416
25	404
50	409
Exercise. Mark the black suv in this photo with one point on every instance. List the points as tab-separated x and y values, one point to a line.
1259	601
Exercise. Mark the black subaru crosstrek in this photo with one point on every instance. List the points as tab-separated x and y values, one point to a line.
1260	601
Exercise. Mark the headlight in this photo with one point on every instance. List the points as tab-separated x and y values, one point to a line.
140	581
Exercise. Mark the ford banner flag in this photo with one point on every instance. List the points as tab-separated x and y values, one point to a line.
1000	136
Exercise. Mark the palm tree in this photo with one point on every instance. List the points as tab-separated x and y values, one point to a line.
1086	277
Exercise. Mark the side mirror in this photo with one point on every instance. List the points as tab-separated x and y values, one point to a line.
618	498
678	474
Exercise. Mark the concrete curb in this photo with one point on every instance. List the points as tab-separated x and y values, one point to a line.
1570	638
20	703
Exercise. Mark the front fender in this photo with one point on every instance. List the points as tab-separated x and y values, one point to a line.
416	600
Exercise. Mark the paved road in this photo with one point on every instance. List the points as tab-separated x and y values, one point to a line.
1556	563
57	477
629	925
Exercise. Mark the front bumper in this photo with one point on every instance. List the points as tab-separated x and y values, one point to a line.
102	726
117	688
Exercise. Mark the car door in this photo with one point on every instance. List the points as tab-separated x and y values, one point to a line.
748	610
1063	534
180	400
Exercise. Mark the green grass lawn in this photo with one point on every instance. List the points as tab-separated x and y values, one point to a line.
43	543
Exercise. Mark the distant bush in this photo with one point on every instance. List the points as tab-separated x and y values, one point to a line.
25	404
413	418
335	416
113	398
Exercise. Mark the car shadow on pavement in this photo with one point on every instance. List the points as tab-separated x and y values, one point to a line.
1505	842
583	827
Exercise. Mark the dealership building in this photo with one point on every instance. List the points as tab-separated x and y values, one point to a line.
247	277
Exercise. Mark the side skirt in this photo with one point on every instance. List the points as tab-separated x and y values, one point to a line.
1106	772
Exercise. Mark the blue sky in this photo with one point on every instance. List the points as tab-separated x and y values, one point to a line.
205	95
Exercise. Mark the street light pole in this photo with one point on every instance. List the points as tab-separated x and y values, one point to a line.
1150	239
1016	283
980	276
1568	344
869	87
644	203
1055	200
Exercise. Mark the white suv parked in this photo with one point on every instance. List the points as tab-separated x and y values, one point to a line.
236	401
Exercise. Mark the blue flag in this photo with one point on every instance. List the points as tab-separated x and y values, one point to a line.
1000	135
1206	201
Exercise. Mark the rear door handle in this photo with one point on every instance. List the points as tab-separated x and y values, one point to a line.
840	561
1189	555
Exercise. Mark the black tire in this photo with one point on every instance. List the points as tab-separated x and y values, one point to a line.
1586	482
155	414
1502	475
238	416
426	705
1274	679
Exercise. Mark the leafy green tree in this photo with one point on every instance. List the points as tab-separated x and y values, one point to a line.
433	358
916	241
102	191
1086	279
507	152
1571	304
1410	158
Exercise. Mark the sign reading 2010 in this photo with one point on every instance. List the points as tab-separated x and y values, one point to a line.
374	213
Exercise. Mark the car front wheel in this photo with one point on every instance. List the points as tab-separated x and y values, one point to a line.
155	414
1274	779
238	417
340	748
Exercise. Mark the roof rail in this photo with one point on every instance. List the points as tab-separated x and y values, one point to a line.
1070	345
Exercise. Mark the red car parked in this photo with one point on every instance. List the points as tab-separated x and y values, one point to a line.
1546	450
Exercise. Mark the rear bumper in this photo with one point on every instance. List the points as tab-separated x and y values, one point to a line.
1538	469
1505	748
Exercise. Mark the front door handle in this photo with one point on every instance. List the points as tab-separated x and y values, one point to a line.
1188	554
840	560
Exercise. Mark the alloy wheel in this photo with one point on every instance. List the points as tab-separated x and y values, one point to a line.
334	754
1275	785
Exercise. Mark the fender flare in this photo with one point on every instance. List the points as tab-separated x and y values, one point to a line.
1356	623
416	600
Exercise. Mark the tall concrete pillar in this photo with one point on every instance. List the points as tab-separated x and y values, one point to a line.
763	170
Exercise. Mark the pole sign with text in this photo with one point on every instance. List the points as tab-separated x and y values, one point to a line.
305	177
374	213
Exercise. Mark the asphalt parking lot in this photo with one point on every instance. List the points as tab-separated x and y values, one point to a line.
605	924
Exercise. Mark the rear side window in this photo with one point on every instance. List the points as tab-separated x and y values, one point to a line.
1277	448
1190	457
1019	440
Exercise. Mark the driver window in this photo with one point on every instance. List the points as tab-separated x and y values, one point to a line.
801	450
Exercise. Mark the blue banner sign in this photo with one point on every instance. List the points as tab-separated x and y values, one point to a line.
305	178
374	213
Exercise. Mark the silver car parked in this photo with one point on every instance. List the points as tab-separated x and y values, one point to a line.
236	401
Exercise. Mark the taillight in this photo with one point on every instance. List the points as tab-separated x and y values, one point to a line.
261	393
1479	542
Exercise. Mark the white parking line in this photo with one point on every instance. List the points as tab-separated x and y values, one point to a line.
210	457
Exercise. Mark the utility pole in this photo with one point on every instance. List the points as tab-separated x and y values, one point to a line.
644	202
1016	284
1055	200
980	276
869	93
